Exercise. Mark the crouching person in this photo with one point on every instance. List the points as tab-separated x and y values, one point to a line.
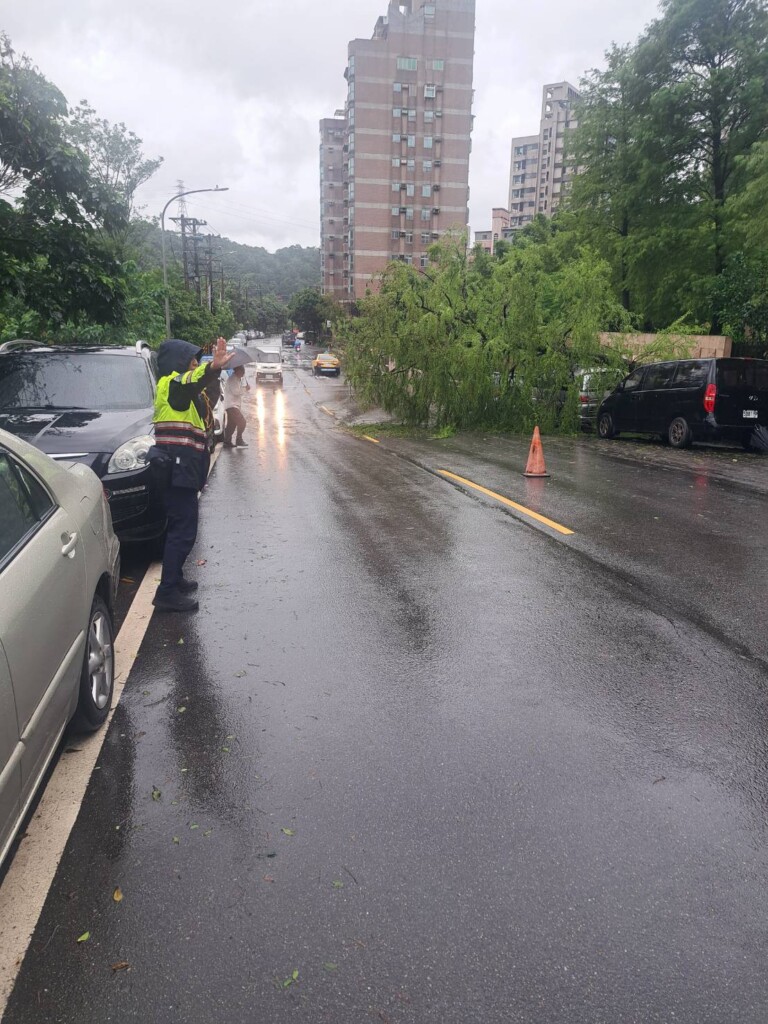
183	440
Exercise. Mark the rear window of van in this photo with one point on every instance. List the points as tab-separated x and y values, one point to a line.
743	373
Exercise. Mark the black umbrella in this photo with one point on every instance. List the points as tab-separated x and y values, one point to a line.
239	358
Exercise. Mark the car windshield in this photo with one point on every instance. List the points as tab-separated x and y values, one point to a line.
73	380
263	356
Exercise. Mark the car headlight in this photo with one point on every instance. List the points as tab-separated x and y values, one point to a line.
131	455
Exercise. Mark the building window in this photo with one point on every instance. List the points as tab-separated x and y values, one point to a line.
411	115
397	87
395	186
426	166
407	64
409	238
438	65
395	211
429	10
427	142
411	141
395	161
397	112
409	189
425	215
426	191
409	213
396	137
425	238
430	92
411	164
429	115
395	234
424	261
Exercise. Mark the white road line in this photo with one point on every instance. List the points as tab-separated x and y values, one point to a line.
31	873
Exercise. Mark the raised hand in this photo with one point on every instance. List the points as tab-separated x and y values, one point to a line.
220	355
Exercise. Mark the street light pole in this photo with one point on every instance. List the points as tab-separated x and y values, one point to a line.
189	192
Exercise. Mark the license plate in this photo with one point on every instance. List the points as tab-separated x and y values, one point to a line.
750	414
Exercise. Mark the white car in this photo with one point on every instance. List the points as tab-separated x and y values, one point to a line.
59	570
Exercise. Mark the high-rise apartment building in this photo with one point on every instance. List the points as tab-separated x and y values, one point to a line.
539	174
408	123
333	140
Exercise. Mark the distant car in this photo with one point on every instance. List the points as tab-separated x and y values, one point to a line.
93	405
288	338
269	364
686	400
59	569
326	362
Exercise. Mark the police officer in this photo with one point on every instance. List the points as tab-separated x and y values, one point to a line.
183	440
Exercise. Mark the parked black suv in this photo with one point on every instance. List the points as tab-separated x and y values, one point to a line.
91	405
689	400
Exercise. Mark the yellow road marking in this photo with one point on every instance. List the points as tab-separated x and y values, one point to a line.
371	439
507	501
327	411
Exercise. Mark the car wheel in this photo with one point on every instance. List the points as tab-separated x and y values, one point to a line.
605	427
679	433
337	373
97	678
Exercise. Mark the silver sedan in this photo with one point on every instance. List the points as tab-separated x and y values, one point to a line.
59	569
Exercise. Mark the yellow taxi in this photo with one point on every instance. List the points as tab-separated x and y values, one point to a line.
326	362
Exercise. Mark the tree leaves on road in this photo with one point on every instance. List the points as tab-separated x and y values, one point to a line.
84	937
288	831
156	794
117	895
121	965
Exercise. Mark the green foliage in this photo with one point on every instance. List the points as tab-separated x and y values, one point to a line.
114	153
483	341
311	311
56	254
669	147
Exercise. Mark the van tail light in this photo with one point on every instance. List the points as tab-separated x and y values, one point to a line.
583	399
709	398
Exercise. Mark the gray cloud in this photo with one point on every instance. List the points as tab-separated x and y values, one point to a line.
230	93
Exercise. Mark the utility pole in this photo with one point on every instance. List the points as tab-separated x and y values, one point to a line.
209	260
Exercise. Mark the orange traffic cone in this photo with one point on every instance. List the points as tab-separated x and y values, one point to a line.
536	465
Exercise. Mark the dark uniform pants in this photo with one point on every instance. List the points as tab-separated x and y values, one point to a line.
181	505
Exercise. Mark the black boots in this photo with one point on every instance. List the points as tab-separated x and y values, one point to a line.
176	601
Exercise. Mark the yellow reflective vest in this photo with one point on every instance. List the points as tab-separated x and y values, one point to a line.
185	428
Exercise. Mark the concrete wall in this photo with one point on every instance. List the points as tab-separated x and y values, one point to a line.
695	346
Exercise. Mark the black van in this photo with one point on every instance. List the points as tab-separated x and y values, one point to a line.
689	400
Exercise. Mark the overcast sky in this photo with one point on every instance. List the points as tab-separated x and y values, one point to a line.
230	92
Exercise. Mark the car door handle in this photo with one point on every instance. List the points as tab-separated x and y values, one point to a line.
70	543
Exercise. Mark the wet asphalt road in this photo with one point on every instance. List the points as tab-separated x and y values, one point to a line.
442	764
